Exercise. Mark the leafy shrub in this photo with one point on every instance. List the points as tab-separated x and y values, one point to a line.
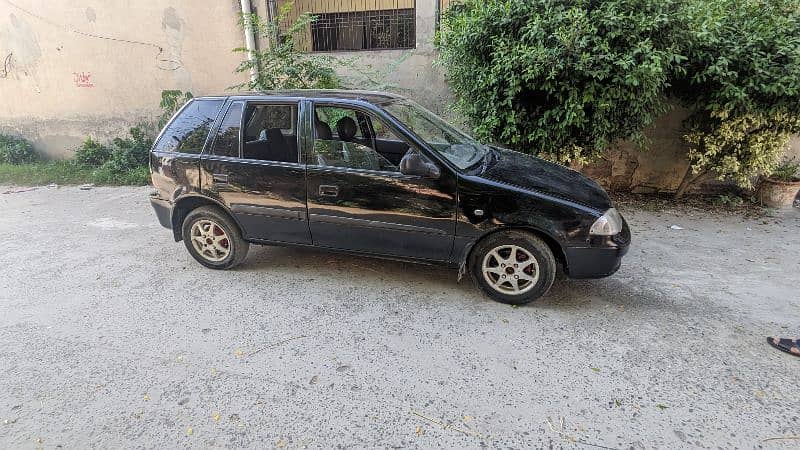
123	162
132	152
92	153
786	171
728	200
15	150
561	79
742	85
280	65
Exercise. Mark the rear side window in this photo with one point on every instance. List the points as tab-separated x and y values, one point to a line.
227	140
187	133
270	132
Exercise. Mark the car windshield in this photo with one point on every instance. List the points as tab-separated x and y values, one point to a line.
456	146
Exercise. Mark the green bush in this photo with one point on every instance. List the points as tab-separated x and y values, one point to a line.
124	154
742	85
132	152
786	171
560	79
15	150
280	65
92	153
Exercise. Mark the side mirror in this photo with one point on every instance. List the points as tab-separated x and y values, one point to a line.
415	164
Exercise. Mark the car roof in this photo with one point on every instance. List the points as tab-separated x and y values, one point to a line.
374	97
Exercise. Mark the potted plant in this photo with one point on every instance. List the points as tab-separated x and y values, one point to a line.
779	188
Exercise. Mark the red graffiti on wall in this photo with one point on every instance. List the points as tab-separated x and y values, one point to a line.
82	79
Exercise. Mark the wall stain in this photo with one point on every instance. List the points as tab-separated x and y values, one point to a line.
22	47
171	19
6	67
91	16
173	26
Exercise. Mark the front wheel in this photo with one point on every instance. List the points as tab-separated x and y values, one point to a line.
213	239
513	267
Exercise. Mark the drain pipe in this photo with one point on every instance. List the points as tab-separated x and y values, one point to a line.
249	38
272	16
438	14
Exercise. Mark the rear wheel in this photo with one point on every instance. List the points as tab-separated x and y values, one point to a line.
213	239
513	267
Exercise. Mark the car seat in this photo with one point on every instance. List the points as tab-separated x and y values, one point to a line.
279	149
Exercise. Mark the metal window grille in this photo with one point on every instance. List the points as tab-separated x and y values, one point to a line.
364	30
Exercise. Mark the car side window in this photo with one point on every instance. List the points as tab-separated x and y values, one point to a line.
187	133
342	138
270	132
226	142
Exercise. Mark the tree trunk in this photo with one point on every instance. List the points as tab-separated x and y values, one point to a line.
688	179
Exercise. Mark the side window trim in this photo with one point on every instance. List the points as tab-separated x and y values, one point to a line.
214	125
383	173
267	101
208	151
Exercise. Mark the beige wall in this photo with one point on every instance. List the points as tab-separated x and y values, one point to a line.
92	68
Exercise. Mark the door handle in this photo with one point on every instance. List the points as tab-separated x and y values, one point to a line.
220	178
326	190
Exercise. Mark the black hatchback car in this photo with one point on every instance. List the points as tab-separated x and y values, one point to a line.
376	174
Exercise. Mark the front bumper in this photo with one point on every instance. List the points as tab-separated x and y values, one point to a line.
163	209
601	258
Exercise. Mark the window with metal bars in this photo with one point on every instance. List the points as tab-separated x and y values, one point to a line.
364	30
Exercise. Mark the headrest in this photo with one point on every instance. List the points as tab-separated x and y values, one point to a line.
274	135
346	128
323	130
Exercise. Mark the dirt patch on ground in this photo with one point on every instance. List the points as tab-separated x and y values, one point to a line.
730	204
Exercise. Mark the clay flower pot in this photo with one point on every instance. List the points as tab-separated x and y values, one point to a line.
778	194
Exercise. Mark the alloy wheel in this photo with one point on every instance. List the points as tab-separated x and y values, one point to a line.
210	240
510	269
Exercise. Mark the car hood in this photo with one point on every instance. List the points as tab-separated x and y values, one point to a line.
538	175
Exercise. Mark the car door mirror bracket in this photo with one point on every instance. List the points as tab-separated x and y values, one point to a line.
417	165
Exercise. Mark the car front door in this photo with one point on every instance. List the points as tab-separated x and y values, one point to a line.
253	168
359	200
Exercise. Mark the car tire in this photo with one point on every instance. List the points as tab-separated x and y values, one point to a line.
213	239
513	267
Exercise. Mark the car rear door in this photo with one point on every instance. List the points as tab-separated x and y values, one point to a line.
253	168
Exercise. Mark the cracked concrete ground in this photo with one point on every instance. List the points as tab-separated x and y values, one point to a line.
112	336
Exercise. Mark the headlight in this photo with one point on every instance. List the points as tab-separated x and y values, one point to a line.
608	224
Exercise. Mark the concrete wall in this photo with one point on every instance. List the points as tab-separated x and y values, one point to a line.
407	72
76	68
